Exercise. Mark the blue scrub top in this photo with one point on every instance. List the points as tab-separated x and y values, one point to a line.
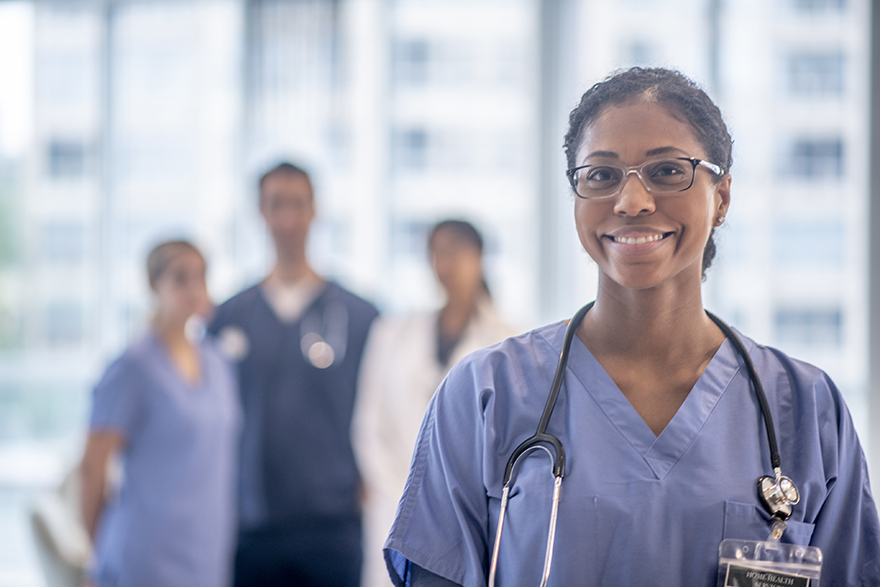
636	509
297	463
173	520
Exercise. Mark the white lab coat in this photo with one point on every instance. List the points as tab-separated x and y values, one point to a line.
399	374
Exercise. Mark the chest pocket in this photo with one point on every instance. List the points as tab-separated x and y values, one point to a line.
747	522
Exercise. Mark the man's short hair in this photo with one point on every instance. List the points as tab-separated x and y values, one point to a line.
285	168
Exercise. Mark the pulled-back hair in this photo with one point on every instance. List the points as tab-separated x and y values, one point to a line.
162	255
674	91
463	231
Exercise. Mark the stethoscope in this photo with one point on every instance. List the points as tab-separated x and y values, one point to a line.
777	493
324	334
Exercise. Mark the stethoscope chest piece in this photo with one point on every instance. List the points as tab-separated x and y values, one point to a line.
777	495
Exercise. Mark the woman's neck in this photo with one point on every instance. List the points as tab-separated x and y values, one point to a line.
172	333
658	324
182	351
456	314
653	343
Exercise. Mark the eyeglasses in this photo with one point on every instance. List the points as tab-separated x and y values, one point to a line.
660	176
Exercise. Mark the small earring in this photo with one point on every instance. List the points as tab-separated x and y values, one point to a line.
720	220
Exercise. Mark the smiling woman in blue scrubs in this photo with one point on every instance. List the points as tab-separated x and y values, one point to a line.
168	407
663	432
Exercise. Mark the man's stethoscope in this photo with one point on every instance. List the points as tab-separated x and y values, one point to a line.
323	332
777	493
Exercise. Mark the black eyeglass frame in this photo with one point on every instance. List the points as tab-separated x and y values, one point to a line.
716	169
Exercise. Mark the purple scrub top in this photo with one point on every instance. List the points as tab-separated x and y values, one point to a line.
636	509
172	521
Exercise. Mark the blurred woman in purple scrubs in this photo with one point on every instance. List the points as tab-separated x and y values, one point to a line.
167	407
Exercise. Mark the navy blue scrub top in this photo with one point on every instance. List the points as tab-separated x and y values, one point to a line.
297	463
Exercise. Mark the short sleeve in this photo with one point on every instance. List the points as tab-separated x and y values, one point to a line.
442	520
847	527
117	399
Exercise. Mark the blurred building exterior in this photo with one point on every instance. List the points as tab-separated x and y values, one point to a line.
793	268
154	119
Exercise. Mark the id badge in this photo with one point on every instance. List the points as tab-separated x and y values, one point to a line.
752	563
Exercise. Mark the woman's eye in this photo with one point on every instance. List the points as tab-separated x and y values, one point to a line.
600	174
666	170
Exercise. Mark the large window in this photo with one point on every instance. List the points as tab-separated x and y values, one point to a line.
67	159
810	244
64	243
796	329
815	158
819	5
64	324
815	74
411	61
411	149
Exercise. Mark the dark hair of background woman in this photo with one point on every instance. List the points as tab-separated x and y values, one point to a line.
681	96
465	231
162	254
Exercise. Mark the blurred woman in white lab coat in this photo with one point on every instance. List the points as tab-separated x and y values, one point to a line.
405	360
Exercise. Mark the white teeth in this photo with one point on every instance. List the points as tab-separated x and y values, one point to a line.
639	240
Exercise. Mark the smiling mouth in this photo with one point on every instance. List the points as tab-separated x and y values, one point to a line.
638	240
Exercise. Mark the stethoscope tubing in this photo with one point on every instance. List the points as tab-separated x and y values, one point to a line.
779	509
551	533
756	382
541	436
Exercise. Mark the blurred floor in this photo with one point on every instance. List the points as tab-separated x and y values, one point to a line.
27	469
18	562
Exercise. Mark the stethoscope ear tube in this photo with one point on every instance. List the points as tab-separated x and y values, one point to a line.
756	381
777	494
532	442
541	436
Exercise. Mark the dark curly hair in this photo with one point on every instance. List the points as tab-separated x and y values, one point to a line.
671	89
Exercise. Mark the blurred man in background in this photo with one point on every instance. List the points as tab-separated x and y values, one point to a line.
297	341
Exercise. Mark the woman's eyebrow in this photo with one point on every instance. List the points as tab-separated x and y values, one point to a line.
648	153
663	150
609	154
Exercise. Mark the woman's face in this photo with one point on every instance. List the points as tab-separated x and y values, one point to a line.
180	289
640	240
458	265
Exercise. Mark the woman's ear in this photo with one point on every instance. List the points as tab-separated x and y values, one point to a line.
722	198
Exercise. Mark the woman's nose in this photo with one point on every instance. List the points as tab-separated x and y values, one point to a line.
634	199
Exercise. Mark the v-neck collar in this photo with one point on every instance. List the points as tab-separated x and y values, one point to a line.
168	361
261	295
663	451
